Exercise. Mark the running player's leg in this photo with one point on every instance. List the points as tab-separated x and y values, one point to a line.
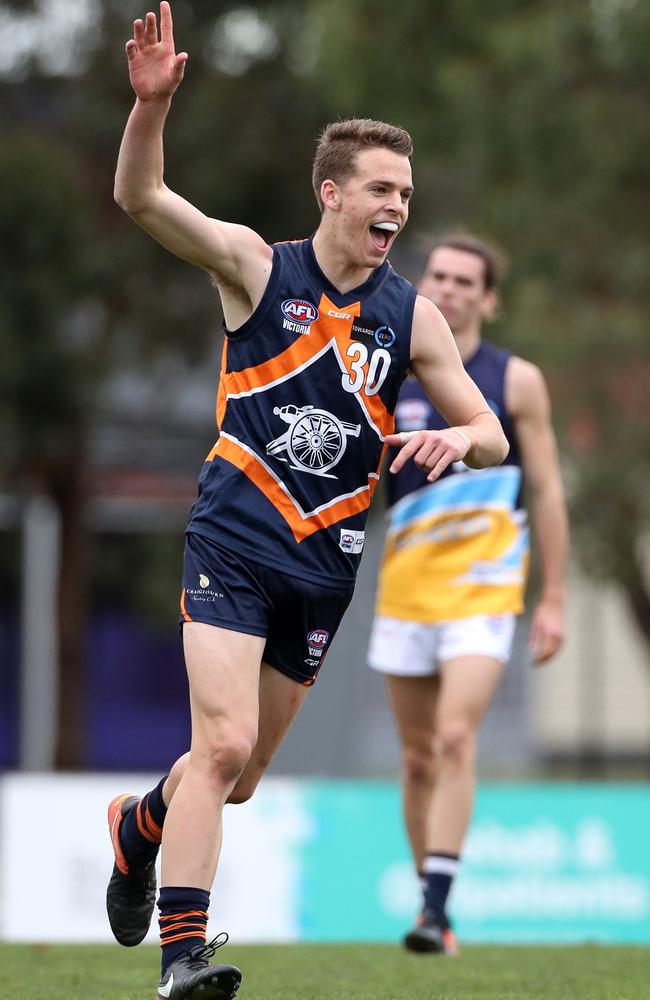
223	668
135	826
280	699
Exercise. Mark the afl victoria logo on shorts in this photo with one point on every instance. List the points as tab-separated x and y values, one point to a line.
317	640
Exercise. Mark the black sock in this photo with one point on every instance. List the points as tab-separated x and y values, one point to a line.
183	921
438	871
141	828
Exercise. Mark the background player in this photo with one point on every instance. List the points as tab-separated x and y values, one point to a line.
319	334
453	577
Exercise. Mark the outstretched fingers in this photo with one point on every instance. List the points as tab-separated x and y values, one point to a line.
151	29
138	35
166	23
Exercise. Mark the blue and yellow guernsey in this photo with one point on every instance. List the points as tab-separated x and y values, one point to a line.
459	546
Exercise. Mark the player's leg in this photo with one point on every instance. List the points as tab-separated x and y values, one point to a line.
413	701
405	652
468	682
223	669
280	699
135	826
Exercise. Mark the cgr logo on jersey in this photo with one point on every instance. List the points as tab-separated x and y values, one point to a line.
317	641
299	314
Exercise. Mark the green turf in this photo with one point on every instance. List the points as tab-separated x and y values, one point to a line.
339	972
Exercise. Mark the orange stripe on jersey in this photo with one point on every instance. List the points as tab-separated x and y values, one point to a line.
329	326
183	611
301	526
221	392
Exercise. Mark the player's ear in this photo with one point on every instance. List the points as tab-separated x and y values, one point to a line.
330	195
490	305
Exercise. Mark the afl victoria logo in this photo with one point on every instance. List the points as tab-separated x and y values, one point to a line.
318	638
299	310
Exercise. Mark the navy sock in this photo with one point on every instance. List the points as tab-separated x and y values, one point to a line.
183	921
438	871
141	828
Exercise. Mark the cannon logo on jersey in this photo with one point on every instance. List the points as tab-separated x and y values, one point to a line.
299	314
314	441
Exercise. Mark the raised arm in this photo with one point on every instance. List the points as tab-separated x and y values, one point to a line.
235	256
475	435
528	403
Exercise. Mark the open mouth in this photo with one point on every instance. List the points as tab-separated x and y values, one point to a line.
381	234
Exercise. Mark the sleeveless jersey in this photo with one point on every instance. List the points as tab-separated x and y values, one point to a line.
307	394
456	547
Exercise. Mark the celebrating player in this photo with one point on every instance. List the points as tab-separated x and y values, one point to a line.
319	334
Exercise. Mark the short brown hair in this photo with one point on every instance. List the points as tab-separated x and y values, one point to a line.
340	142
495	262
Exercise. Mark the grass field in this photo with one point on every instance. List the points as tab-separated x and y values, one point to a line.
338	972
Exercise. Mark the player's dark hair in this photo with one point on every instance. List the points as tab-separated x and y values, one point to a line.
495	262
340	142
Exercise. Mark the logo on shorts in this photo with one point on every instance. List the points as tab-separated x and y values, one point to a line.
203	580
312	663
317	641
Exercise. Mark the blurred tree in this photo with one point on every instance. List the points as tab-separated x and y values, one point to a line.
529	121
85	296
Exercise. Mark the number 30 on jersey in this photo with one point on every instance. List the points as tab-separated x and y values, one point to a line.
377	369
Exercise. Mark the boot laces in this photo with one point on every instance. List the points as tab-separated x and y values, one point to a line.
201	954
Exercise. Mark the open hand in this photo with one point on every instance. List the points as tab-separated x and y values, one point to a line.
154	68
432	451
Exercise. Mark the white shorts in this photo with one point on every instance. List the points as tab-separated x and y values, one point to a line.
416	649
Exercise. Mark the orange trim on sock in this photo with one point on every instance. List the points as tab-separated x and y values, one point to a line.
184	916
142	825
152	826
182	937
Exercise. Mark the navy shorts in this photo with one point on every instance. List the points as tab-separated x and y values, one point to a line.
299	619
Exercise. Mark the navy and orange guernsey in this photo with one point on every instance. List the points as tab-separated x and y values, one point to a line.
307	394
456	547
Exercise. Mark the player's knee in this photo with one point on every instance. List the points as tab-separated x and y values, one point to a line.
228	755
456	741
418	763
243	791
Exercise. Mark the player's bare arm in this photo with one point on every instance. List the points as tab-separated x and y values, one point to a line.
475	435
528	402
238	259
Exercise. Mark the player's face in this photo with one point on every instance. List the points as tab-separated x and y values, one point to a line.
374	205
454	280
